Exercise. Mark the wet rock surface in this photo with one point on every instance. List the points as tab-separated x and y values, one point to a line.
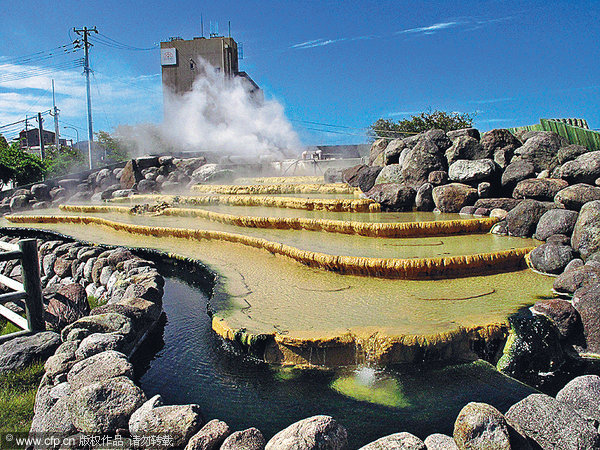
317	432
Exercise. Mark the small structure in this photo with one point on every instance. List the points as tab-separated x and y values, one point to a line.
30	140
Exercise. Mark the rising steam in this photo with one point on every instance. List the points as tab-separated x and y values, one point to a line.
220	115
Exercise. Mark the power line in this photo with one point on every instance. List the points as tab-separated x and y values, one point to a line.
31	56
39	71
110	42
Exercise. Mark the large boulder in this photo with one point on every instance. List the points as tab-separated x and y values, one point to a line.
399	441
452	197
130	175
365	179
145	162
583	169
497	203
313	433
377	153
390	174
517	171
424	198
21	351
249	439
570	152
583	395
533	351
523	219
556	221
425	157
55	420
393	197
543	189
569	281
180	422
586	233
101	323
500	144
552	424
577	195
586	301
394	151
466	171
453	135
210	436
66	304
551	258
437	441
350	174
481	426
102	366
40	191
541	150
466	147
105	406
562	314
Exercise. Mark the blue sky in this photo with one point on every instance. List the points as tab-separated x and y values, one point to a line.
328	62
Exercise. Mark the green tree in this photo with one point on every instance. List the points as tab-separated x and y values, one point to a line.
116	150
63	161
419	123
18	165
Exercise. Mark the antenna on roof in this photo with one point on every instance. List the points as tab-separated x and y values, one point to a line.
229	25
201	26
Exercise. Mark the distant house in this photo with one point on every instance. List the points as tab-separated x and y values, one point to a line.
30	140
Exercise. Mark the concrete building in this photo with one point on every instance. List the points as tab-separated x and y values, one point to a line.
30	140
180	60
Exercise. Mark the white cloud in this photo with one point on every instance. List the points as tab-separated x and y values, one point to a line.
430	29
492	100
316	43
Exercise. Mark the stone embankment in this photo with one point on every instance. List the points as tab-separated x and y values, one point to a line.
537	185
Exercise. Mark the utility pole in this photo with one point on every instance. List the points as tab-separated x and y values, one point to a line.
85	31
41	134
56	128
26	133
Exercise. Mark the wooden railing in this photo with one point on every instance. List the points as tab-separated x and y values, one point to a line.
29	290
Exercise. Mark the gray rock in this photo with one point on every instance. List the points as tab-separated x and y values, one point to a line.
366	178
501	144
20	352
394	150
586	233
424	198
40	191
551	258
574	264
562	313
570	152
466	171
466	148
551	424
555	221
481	426
492	203
181	422
122	193
313	433
393	197
438	177
396	441
543	189
586	301
523	219
390	174
105	406
19	202
102	366
63	359
377	152
452	197
145	162
148	286
101	323
471	132
583	169
425	157
574	197
439	441
583	395
249	439
484	189
569	281
66	304
541	150
55	420
210	436
467	210
533	352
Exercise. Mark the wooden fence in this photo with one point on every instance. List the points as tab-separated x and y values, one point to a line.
575	135
29	290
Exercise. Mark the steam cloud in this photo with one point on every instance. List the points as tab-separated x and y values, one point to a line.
219	115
